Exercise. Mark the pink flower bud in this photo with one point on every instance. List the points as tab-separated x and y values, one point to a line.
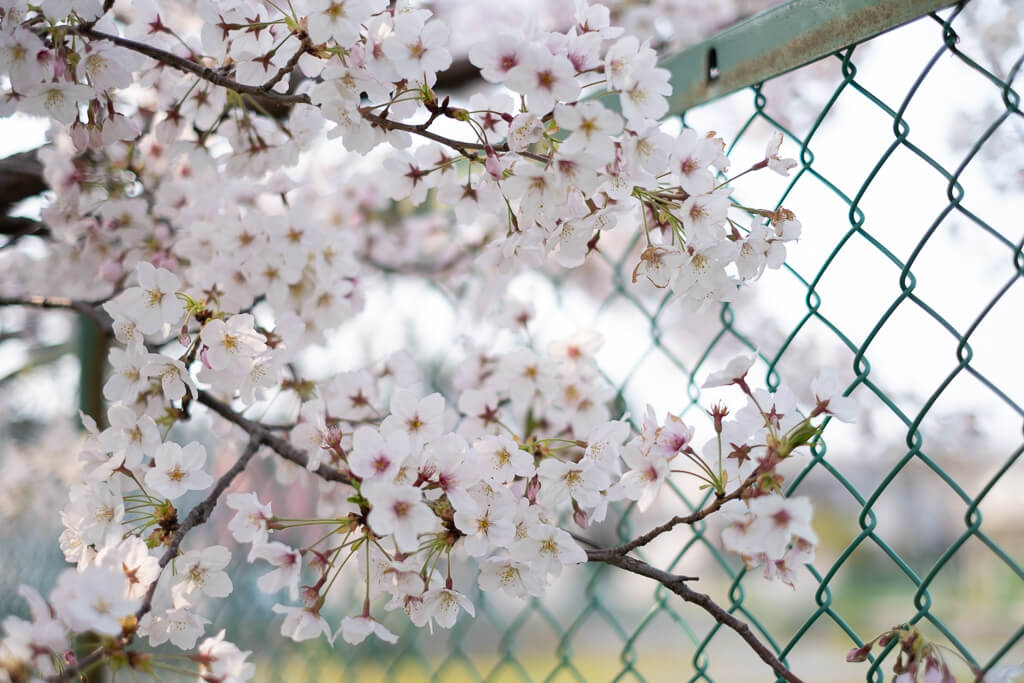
79	136
858	654
532	489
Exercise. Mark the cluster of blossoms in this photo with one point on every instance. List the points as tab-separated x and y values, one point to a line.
214	296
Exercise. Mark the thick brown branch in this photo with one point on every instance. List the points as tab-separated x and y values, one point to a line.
21	177
677	584
86	308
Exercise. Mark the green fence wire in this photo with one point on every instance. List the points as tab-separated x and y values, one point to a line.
583	634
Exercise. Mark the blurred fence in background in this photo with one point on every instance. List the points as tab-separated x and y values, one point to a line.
904	259
908	278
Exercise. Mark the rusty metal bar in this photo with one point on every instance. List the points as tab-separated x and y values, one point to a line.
780	40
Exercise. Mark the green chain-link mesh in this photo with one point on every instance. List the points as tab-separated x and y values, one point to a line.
582	634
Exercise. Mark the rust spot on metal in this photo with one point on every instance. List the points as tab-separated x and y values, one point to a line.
832	35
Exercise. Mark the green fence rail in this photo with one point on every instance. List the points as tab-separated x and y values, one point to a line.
594	627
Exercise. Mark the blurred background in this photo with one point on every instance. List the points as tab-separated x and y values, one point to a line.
906	280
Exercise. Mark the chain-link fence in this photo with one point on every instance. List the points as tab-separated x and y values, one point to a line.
910	186
908	278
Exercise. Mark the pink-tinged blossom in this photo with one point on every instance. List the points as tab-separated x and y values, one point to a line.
496	57
399	510
690	160
544	79
249	525
288	568
378	458
222	661
303	623
647	472
354	630
177	470
767	526
421	420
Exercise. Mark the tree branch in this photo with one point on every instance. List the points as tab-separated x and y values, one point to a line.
218	77
677	584
86	308
21	177
690	519
267	437
198	515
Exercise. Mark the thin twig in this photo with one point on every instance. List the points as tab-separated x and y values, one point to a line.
677	584
198	515
690	519
266	436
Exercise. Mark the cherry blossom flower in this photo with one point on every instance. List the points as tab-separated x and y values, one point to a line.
174	377
132	557
249	525
177	470
375	457
179	624
544	79
288	563
223	661
92	600
733	373
354	630
828	393
548	548
232	343
202	570
514	578
152	304
418	50
420	420
444	604
398	510
771	155
303	623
